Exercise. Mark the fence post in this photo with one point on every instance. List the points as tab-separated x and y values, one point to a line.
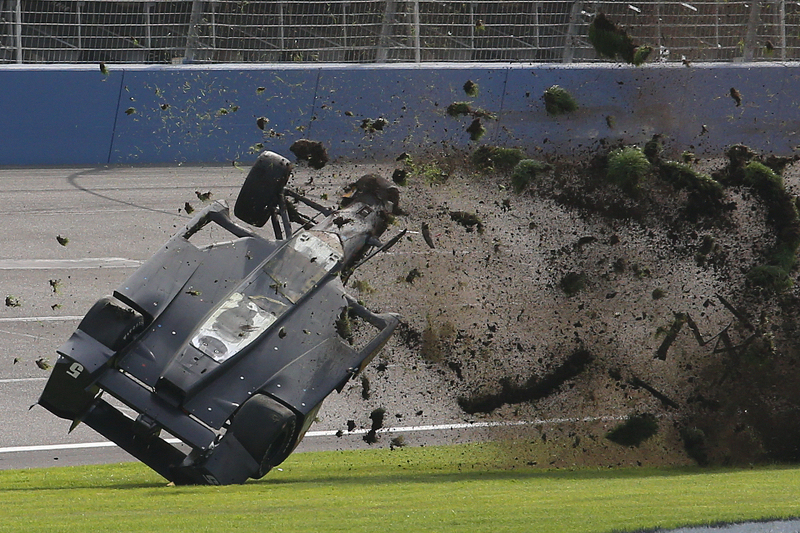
782	14
417	54
192	39
18	29
572	30
382	53
752	27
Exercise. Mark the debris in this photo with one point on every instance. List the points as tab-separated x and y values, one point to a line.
469	220
627	168
312	151
533	389
63	241
188	208
130	111
193	292
13	301
426	234
351	425
609	40
458	109
471	89
365	387
572	283
526	171
42	363
737	97
558	101
412	275
55	284
164	106
489	158
104	69
665	401
203	196
641	54
377	417
671	334
636	429
371	126
260	90
397	442
400	176
476	130
262	122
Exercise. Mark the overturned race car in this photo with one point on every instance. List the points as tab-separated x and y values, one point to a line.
229	348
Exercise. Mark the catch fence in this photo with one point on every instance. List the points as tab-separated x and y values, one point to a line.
223	31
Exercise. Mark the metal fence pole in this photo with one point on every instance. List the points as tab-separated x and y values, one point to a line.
78	6
417	53
192	38
572	30
752	27
382	53
18	29
782	11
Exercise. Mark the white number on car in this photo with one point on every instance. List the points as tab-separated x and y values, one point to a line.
75	370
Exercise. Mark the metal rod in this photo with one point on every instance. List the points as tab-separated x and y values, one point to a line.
417	52
193	39
572	30
782	10
18	24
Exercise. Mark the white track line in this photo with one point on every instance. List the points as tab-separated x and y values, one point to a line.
57	264
66	318
333	433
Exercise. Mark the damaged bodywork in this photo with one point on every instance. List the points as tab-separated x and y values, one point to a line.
229	348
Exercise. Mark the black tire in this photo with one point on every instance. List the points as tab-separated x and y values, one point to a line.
266	429
262	188
112	323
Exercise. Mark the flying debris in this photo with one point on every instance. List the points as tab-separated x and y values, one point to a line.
103	68
232	346
426	234
203	196
43	363
63	241
737	97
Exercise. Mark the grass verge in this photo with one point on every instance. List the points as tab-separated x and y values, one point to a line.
460	488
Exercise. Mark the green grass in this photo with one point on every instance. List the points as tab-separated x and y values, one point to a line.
461	488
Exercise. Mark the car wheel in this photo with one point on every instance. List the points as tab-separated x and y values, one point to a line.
266	429
262	188
112	323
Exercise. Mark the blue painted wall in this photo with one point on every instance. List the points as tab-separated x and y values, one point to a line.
76	115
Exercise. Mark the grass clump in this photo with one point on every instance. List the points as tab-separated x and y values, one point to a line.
682	176
611	41
636	429
627	168
558	101
526	171
495	158
471	89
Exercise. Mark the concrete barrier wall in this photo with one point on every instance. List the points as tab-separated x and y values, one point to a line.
76	115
